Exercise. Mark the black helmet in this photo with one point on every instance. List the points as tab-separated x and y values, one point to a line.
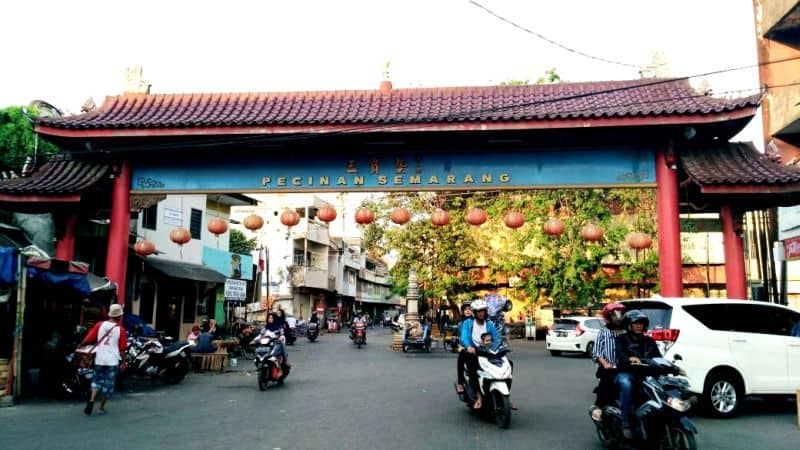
636	316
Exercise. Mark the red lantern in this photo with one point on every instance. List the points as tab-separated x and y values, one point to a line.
290	218
253	222
476	217
440	217
217	226
591	232
364	216
144	248
326	214
514	219
400	216
639	240
180	235
553	227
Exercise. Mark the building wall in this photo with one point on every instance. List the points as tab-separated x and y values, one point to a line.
779	106
176	211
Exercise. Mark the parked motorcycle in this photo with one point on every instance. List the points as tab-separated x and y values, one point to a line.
494	380
270	361
360	334
313	331
152	358
661	404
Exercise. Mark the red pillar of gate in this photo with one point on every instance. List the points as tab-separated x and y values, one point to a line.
669	227
734	254
119	229
65	246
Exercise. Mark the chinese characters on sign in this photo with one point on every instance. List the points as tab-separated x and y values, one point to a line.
398	178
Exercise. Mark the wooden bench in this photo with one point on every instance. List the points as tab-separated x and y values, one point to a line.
217	361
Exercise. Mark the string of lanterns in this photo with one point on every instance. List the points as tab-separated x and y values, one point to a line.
476	217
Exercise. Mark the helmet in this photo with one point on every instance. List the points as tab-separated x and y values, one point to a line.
359	313
611	308
478	305
636	316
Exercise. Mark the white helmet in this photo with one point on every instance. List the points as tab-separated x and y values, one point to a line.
478	305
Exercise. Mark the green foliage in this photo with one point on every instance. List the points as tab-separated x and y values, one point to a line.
550	76
17	138
565	269
240	244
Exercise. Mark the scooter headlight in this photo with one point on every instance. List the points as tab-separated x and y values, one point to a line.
678	404
264	341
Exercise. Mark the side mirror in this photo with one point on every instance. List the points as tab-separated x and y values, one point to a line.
508	306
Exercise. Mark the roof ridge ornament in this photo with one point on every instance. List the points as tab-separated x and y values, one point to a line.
386	83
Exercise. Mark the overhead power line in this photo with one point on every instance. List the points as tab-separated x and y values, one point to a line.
552	42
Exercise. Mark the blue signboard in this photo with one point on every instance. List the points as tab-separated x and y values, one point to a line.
232	265
403	170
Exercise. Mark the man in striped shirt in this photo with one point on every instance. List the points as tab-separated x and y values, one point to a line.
605	355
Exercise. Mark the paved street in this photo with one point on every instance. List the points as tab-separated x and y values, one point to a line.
342	397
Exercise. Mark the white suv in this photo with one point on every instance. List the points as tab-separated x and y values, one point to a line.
573	334
728	348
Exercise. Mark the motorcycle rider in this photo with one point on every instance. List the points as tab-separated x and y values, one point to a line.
466	313
632	347
471	330
274	329
359	318
605	355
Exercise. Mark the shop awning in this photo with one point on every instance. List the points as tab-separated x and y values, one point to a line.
185	270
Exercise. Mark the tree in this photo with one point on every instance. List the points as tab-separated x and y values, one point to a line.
240	244
566	269
550	76
17	138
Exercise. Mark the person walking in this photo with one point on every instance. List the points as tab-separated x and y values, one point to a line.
110	343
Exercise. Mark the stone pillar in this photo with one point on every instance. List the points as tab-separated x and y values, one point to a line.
735	283
412	299
65	246
119	228
669	227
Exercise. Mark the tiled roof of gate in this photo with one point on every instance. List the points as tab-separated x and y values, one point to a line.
585	100
735	163
59	176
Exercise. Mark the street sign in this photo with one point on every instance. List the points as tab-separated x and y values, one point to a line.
235	289
791	248
173	217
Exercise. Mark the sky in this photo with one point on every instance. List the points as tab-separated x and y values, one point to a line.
64	52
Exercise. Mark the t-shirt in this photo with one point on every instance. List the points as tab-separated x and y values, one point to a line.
477	331
110	344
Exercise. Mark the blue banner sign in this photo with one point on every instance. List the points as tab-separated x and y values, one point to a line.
232	265
417	171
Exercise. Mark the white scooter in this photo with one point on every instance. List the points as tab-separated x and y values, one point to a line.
494	378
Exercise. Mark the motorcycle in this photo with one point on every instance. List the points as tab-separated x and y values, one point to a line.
661	404
78	373
291	335
152	358
360	334
494	380
270	361
499	322
313	331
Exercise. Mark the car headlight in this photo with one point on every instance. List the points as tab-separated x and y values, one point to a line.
678	404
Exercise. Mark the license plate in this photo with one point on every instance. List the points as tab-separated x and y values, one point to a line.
561	333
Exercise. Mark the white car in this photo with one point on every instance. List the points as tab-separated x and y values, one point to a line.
728	348
573	334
